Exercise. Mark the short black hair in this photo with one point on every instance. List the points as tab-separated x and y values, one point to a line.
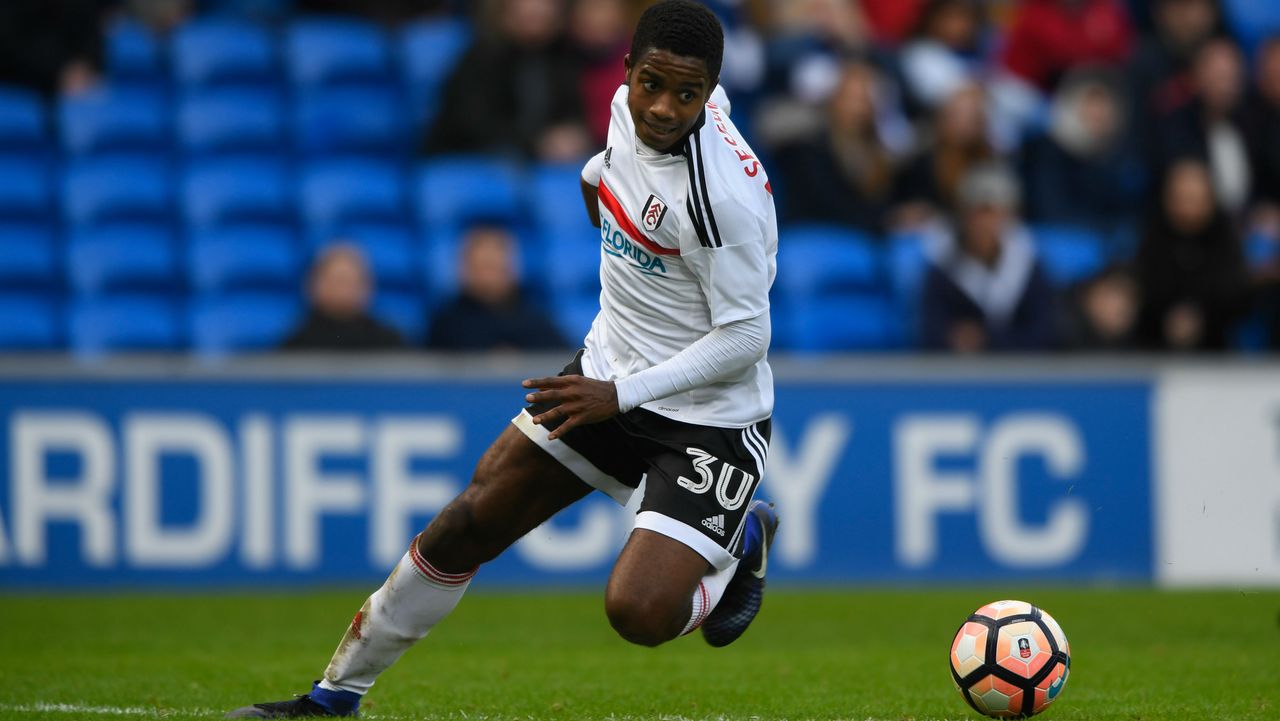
682	27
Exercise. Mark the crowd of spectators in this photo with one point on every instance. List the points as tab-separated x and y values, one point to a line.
967	122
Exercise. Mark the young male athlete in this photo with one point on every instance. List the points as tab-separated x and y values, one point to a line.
672	389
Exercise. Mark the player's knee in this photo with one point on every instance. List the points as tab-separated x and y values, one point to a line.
454	542
644	621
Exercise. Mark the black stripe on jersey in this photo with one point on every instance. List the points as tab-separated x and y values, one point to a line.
706	199
695	210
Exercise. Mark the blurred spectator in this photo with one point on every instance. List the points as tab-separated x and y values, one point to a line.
843	171
389	12
1190	266
490	312
891	21
1080	171
1157	72
338	292
52	46
1050	37
958	142
515	91
600	33
985	289
810	39
1210	126
945	52
1263	126
1103	313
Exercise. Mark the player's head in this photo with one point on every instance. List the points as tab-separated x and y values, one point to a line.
673	66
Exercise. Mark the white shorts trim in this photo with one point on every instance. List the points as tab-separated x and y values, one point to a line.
574	461
691	537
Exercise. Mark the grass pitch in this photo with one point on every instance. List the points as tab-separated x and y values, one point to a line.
1138	655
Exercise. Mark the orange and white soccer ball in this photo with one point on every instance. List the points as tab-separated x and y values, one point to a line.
1010	660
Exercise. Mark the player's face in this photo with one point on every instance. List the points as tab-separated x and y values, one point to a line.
667	92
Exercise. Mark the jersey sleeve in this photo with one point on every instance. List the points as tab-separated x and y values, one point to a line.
732	265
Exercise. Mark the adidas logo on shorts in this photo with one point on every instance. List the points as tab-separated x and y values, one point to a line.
715	523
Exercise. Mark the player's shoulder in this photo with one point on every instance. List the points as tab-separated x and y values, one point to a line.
728	171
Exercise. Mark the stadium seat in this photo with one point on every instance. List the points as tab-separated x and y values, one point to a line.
338	193
565	233
22	120
134	54
244	258
128	189
1069	255
1261	250
406	312
1252	21
428	51
574	314
454	191
122	258
28	256
222	51
391	249
25	189
326	52
858	322
28	322
124	323
823	261
907	264
220	192
366	120
242	323
229	122
102	121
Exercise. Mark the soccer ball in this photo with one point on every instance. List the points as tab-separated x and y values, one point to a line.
1010	660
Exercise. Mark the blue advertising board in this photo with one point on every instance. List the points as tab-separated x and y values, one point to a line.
246	482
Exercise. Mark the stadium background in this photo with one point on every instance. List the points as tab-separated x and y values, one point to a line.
156	226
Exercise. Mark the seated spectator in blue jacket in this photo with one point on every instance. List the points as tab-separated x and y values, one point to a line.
490	312
1079	172
338	319
985	289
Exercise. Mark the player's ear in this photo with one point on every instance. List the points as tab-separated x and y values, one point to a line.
626	68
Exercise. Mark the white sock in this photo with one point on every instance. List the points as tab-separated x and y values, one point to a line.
707	595
413	599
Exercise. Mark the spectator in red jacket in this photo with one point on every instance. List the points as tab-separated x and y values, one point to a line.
1050	37
598	29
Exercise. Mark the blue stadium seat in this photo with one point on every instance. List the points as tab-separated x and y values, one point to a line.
325	52
1069	255
391	249
338	193
223	51
1252	21
28	256
243	323
28	322
134	54
228	122
219	192
102	121
823	261
858	322
1261	250
908	264
244	258
124	323
454	191
428	51
565	232
367	120
22	120
122	258
25	189
406	312
106	190
574	314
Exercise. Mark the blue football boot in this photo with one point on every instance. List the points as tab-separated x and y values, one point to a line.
745	592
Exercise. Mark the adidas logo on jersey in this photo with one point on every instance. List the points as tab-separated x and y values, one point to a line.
715	523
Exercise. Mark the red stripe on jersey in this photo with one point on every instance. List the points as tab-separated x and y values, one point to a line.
624	221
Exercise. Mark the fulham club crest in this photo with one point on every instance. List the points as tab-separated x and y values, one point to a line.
654	211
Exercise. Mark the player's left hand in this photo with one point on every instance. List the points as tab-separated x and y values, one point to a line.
578	401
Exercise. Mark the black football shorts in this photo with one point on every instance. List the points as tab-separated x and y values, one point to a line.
697	479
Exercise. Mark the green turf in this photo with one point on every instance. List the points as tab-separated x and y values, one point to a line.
811	655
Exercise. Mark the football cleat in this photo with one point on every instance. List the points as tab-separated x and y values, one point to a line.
745	592
300	707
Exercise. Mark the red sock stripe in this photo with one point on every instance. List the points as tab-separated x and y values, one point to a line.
434	574
703	612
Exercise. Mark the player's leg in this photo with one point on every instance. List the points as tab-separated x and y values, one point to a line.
516	486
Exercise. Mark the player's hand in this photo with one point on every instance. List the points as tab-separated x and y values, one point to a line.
579	401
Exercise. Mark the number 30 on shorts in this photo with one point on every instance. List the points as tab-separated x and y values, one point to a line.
702	462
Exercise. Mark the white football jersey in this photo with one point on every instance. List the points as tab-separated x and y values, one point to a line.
688	243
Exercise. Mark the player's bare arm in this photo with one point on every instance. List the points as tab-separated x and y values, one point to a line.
591	197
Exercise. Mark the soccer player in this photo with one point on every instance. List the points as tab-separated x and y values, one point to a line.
672	391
